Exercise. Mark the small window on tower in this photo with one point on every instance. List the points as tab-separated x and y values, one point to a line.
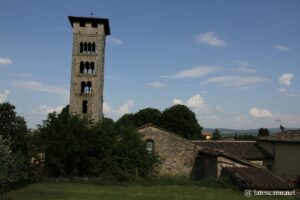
85	106
81	47
81	67
82	24
93	47
94	25
83	86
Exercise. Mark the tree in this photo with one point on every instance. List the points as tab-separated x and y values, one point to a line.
147	115
12	165
216	134
13	127
182	121
14	159
126	121
65	140
132	155
74	146
263	132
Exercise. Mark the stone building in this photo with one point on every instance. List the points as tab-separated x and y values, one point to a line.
284	147
244	162
87	76
247	150
177	154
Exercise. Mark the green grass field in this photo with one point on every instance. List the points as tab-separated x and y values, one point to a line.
83	191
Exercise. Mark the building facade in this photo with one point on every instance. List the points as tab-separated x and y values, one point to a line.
176	154
87	74
243	161
284	147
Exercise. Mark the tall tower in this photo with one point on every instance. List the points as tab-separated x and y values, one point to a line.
87	76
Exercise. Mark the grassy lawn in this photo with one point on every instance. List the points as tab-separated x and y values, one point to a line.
82	191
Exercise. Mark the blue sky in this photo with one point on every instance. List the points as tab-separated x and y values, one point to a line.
234	63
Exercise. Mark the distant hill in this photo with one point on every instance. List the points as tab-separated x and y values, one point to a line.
226	131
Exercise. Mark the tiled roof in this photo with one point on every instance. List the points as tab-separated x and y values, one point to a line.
256	178
248	150
216	152
284	136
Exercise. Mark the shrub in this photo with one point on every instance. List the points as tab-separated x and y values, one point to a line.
74	146
12	166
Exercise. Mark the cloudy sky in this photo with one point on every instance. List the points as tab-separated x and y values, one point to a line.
235	63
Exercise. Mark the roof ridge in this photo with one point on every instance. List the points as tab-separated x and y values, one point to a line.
167	131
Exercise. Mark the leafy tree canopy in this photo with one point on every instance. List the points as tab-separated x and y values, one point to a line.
262	132
178	119
74	146
126	120
13	127
147	115
182	121
12	165
216	135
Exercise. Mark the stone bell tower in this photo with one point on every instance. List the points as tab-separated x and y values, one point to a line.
87	76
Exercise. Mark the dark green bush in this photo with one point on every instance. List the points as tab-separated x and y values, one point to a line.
74	146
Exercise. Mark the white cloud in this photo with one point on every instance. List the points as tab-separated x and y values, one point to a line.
282	48
114	41
40	87
3	96
244	67
156	85
106	108
260	113
211	39
195	102
5	61
125	108
199	71
237	81
286	79
116	113
177	102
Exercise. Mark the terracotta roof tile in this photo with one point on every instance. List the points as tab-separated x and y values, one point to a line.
248	150
256	178
284	136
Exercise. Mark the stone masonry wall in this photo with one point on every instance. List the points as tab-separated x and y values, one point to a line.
95	99
177	154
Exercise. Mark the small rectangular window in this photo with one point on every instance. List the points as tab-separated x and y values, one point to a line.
82	24
94	25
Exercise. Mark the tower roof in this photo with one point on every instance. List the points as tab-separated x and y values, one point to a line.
103	21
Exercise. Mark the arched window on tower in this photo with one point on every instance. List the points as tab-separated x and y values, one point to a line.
85	47
93	47
81	47
92	68
89	47
84	106
89	87
150	146
83	86
81	67
86	67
